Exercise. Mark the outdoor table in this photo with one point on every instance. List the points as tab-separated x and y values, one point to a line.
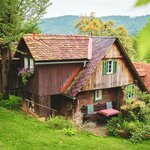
108	112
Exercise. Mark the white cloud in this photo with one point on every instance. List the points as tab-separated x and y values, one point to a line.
101	7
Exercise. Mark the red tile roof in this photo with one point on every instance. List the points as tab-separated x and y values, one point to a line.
100	46
144	72
57	47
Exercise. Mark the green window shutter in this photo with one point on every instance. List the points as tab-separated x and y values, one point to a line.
104	67
114	66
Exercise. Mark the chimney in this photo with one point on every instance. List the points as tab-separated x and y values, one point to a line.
90	48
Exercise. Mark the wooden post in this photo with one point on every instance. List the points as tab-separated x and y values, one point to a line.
46	113
120	96
45	101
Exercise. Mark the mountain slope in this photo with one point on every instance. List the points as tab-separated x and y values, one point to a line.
65	24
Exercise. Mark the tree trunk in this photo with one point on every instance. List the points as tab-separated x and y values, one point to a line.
5	74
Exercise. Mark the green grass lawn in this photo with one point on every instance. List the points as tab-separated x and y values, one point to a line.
19	132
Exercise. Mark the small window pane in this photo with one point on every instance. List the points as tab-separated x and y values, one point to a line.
31	64
98	95
131	91
109	67
26	63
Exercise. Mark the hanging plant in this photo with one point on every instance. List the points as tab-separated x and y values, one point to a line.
25	74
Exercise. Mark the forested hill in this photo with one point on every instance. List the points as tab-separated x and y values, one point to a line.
65	24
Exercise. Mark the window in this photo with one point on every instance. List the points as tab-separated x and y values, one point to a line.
109	67
98	95
28	63
31	64
130	91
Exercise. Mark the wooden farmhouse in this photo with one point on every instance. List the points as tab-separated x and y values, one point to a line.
72	72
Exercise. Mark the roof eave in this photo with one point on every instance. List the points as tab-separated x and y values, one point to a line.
61	62
132	68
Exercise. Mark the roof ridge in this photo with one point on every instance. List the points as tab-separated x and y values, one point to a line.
69	35
104	37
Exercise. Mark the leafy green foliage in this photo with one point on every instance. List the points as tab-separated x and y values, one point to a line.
59	122
0	96
143	36
18	17
142	2
139	133
145	97
135	130
70	131
113	124
25	74
14	103
134	120
96	27
143	43
143	114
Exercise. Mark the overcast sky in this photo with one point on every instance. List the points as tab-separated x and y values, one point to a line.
101	7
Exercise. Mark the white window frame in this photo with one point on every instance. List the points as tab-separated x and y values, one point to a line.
26	65
109	67
131	94
29	63
98	95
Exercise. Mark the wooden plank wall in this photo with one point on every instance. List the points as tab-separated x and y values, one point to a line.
122	77
53	77
33	83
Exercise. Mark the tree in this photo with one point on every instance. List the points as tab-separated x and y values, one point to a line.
96	27
143	48
142	2
17	17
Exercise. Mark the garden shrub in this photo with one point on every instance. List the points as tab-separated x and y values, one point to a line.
70	131
113	124
134	120
59	122
14	103
144	115
145	97
135	130
0	96
140	133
